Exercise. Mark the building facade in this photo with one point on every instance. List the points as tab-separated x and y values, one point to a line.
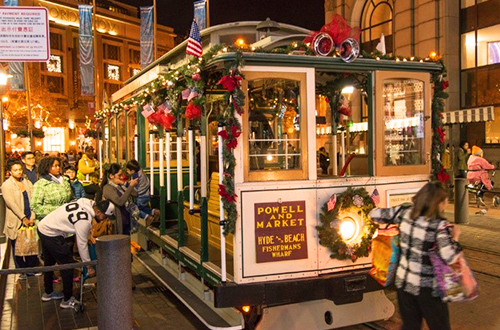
117	59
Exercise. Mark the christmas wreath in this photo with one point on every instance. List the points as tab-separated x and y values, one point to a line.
355	202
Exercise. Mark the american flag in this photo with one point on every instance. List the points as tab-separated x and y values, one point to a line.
331	202
375	197
194	42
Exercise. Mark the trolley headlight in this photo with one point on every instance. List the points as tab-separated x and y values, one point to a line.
348	229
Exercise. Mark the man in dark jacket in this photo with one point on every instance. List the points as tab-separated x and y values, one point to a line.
30	171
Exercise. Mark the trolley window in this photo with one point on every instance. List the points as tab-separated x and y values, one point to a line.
131	133
276	132
403	110
122	145
112	138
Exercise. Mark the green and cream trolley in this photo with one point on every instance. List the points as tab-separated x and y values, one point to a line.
318	139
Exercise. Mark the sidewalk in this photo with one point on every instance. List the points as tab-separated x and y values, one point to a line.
154	306
482	231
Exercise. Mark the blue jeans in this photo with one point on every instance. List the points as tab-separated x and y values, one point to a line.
142	203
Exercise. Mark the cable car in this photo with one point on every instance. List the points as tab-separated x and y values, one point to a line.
241	240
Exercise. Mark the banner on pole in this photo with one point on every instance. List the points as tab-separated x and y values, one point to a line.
16	69
86	49
200	13
147	41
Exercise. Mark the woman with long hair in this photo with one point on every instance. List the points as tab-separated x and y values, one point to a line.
16	193
422	226
114	191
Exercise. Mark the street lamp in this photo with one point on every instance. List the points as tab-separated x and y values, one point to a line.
3	84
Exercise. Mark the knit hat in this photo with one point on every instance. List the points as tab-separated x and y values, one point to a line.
107	208
477	151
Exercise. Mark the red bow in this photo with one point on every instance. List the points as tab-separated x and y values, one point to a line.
193	111
230	82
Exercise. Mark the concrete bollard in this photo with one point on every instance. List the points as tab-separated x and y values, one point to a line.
114	283
461	201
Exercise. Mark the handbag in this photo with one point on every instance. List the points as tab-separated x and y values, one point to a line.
26	242
386	251
386	255
456	282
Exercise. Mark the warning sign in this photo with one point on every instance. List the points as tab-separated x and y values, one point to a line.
280	231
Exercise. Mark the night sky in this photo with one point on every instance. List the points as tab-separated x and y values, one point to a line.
179	13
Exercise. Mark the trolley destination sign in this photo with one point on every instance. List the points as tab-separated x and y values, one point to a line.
280	231
24	34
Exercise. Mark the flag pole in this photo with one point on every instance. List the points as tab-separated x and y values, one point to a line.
154	31
208	13
97	106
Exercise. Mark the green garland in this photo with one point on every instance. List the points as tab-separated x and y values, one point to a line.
352	199
24	133
170	86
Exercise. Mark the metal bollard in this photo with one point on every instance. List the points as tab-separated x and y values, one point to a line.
114	278
461	201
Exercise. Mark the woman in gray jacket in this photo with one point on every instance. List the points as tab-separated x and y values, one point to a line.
114	191
16	193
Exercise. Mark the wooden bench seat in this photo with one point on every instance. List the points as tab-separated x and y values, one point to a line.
194	221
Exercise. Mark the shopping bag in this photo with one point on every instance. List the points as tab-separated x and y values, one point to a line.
26	242
456	282
385	255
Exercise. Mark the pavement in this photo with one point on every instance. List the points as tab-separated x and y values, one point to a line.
154	306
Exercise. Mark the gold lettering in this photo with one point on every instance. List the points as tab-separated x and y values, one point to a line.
276	223
301	221
260	210
273	217
269	225
299	210
260	224
276	209
289	215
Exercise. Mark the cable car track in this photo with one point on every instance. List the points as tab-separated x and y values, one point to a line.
374	326
482	258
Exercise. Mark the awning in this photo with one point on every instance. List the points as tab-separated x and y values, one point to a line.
469	115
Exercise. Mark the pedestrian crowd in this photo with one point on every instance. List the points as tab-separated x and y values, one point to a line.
56	206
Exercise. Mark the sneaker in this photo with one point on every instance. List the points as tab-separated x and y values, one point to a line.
149	220
23	277
35	274
480	201
52	296
156	214
70	303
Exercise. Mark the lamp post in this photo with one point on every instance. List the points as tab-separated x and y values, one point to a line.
3	84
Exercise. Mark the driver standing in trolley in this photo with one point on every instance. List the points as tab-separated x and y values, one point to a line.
71	218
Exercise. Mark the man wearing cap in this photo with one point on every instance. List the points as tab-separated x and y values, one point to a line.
71	218
88	173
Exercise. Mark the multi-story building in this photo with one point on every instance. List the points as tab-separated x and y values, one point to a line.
480	69
117	59
465	33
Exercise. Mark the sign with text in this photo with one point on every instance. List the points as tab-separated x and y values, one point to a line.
280	231
400	196
24	34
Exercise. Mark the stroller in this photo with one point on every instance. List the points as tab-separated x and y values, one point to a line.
84	277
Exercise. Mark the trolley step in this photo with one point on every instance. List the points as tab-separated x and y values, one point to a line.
197	306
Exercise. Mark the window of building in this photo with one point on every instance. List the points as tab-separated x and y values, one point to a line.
113	72
468	50
493	129
56	41
112	52
494	52
135	56
111	88
488	42
377	18
54	64
134	71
